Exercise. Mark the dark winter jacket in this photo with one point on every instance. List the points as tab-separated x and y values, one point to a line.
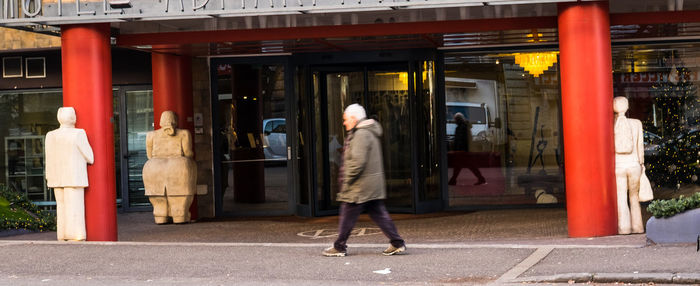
363	165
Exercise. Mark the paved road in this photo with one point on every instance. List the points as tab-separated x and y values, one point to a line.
494	247
137	263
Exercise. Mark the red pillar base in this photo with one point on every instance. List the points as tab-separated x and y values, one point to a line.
87	86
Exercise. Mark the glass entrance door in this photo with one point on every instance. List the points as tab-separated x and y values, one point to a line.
250	111
384	92
136	105
341	89
388	96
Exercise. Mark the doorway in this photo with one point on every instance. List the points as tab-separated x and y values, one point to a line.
401	97
250	111
135	103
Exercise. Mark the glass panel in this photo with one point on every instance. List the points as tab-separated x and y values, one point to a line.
661	84
322	199
503	127
429	157
117	145
252	115
303	118
26	117
139	121
388	97
342	89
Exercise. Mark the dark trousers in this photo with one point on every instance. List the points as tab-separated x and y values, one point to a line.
474	169
349	212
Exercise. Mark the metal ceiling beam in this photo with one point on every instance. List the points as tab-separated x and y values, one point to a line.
319	32
388	29
668	17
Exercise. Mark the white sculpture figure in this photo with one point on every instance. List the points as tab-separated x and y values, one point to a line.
67	155
169	175
629	166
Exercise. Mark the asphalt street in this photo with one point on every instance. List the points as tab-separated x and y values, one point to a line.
286	251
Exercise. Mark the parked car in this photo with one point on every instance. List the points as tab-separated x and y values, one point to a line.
652	142
275	132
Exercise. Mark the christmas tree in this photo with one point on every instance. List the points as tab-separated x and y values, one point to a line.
676	162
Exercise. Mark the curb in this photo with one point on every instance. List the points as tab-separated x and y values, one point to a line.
674	278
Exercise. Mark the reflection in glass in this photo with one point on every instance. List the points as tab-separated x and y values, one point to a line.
386	92
116	107
139	121
26	117
429	157
342	89
503	127
304	163
388	101
661	84
253	137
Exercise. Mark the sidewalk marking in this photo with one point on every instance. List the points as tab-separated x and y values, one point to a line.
301	244
524	265
325	233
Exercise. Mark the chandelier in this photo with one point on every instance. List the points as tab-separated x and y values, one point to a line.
536	63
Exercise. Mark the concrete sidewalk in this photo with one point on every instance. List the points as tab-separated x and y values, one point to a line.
500	247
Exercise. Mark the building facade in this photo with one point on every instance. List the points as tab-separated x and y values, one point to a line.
483	104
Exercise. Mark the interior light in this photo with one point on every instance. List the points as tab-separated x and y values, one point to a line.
536	63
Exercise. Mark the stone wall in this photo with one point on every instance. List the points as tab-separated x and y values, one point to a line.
11	39
202	141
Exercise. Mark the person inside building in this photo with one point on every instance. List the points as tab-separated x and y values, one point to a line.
363	186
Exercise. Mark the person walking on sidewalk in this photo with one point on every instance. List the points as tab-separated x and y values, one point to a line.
362	182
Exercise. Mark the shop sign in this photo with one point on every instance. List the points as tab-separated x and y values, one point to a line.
23	12
652	77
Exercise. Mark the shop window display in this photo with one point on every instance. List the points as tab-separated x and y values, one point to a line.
26	117
503	129
661	83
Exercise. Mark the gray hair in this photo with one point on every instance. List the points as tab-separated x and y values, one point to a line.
355	110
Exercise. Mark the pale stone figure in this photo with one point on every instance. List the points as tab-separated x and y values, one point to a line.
67	155
629	165
169	175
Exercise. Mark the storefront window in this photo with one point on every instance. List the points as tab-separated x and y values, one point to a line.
25	118
503	129
661	84
251	114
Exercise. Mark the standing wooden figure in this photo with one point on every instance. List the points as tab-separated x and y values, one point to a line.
67	155
170	174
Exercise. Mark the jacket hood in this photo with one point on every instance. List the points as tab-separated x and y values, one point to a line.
371	125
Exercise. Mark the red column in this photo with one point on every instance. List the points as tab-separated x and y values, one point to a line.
87	86
586	86
172	90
